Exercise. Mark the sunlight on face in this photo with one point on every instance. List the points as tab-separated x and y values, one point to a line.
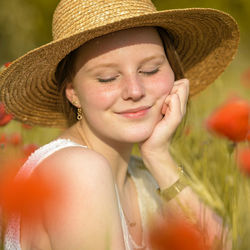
121	81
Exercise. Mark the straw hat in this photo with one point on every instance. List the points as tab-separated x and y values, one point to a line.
205	39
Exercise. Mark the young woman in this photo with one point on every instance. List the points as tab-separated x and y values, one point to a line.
113	76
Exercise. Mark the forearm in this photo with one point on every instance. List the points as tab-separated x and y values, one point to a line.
187	202
163	168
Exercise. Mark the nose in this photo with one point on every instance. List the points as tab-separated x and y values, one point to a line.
133	88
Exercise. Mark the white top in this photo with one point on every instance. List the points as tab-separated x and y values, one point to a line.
149	202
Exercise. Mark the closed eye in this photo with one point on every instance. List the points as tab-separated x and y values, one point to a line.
106	80
150	72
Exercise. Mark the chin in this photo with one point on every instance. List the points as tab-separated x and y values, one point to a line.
136	137
140	132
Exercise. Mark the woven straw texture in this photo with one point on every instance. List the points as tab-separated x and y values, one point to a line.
205	39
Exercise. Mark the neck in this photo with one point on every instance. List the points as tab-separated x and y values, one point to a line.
117	153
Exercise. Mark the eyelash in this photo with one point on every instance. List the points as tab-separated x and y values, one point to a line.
106	80
150	72
145	73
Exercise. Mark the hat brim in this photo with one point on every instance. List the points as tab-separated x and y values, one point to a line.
205	39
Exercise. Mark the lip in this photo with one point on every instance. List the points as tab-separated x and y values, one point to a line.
136	112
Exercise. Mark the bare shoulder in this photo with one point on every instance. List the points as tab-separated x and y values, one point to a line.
88	200
74	159
80	171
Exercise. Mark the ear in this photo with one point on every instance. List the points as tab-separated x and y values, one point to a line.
72	95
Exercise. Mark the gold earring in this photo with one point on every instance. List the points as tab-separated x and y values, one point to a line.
79	111
79	114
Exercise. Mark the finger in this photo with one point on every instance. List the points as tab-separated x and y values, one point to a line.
181	88
165	106
172	106
173	115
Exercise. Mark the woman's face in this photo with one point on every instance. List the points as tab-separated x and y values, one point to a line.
121	82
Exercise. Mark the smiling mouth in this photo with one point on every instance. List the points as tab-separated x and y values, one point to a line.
135	113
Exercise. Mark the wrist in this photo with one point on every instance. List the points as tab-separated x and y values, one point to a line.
163	168
173	190
153	159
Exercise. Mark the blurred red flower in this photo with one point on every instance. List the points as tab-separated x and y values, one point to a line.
244	161
3	139
176	234
29	149
4	117
27	126
245	78
7	64
15	139
231	120
24	195
187	130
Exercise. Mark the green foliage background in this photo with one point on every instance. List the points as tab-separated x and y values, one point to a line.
26	24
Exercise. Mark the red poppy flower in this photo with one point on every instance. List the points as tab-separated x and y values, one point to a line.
3	139
231	120
4	117
29	149
245	78
24	195
7	64
15	139
27	126
176	234
244	161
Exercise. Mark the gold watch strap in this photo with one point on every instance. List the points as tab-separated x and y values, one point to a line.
172	191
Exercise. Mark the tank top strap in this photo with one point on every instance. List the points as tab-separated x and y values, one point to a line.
125	231
146	186
42	153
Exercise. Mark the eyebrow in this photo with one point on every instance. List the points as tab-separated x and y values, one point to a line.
102	65
107	65
159	56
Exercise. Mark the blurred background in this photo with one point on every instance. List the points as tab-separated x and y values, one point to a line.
26	24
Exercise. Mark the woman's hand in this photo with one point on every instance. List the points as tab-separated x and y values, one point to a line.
173	110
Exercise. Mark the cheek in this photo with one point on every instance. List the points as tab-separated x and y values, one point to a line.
101	99
162	85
